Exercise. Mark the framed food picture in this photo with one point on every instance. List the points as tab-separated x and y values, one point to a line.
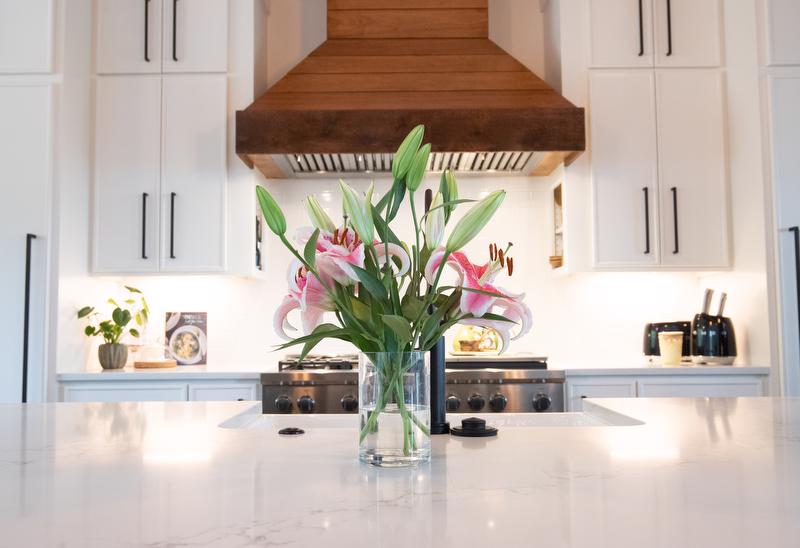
187	337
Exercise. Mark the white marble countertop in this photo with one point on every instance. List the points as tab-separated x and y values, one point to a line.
698	473
195	372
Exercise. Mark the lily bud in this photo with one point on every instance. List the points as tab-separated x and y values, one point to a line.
272	212
449	189
318	217
417	171
359	211
434	223
475	219
404	156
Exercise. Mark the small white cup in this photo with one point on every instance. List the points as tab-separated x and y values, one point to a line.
670	343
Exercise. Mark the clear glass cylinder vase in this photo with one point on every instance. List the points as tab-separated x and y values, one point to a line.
394	405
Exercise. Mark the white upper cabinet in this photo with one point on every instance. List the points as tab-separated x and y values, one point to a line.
688	33
147	36
624	167
621	33
193	174
25	36
784	32
126	173
128	36
647	33
195	35
692	168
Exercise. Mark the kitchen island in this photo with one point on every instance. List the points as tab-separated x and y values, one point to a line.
681	472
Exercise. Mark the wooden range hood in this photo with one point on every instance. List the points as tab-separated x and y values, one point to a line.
389	65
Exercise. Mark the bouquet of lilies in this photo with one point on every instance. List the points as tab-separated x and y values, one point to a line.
386	295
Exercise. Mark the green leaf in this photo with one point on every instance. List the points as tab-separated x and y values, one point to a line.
113	302
85	311
146	313
129	301
372	284
360	310
452	203
132	289
135	332
126	317
398	195
117	316
322	331
411	308
89	331
138	319
310	250
491	317
474	290
399	325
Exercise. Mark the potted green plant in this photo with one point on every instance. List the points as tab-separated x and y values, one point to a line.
112	354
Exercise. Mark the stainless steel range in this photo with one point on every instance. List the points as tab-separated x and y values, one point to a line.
329	384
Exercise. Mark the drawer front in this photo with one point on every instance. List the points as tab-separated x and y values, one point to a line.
599	388
106	392
700	388
223	392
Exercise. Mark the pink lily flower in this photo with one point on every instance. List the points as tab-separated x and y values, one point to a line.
308	294
498	301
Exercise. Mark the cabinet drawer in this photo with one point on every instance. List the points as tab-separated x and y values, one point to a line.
223	392
120	392
598	388
700	388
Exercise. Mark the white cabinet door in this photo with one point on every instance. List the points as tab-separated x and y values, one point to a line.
624	167
26	29
700	387
598	387
126	173
124	391
128	36
195	35
193	174
24	183
621	33
784	32
692	168
785	120
688	33
224	391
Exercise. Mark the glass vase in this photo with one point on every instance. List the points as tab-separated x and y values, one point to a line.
394	406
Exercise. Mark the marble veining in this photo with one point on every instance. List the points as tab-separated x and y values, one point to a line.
697	472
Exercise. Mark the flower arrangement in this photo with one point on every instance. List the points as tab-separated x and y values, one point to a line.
386	295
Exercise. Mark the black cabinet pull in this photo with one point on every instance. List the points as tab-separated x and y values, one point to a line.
669	28
641	30
175	30
146	30
674	191
144	225
796	231
172	225
26	317
646	220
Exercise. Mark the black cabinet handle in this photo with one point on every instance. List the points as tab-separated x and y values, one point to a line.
796	231
669	28
144	225
641	30
646	220
172	225
175	30
26	317
146	30
674	191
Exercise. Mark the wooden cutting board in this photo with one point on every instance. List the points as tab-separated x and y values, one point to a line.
155	364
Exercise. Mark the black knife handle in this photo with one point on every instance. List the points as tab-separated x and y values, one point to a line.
146	30
646	220
172	225
175	30
641	30
674	191
26	316
669	28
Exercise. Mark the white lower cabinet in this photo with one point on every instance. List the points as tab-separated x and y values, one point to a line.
593	387
157	390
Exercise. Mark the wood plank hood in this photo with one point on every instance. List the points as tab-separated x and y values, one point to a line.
389	65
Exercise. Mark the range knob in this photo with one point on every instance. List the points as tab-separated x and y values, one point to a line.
349	404
283	404
541	402
476	402
452	403
498	402
306	404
